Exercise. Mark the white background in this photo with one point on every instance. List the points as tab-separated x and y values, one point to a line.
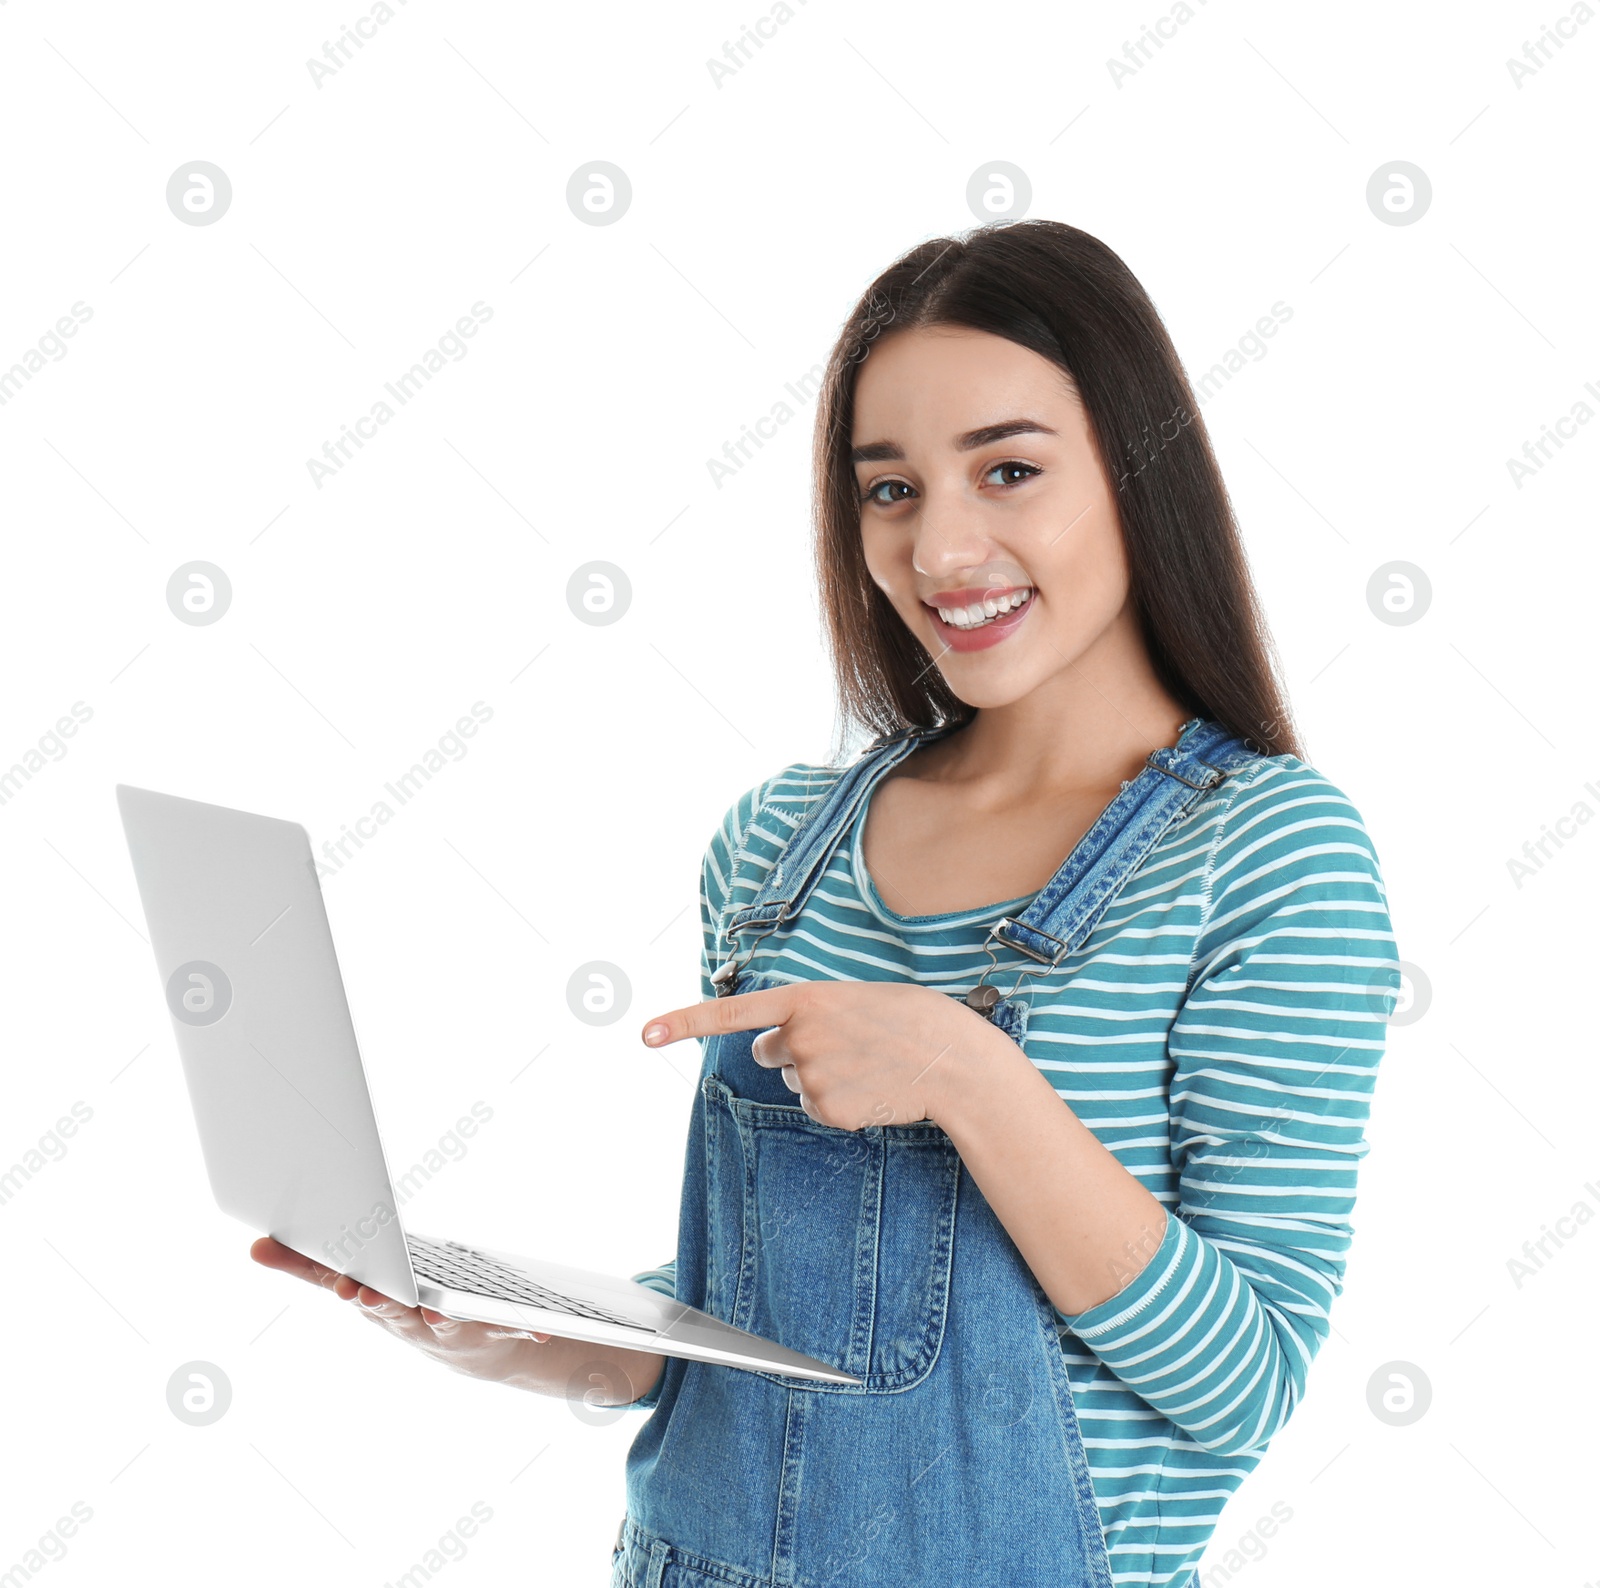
430	172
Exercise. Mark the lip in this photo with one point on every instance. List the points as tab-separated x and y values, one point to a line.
991	633
970	593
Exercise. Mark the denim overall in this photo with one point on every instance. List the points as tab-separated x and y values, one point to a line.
957	1459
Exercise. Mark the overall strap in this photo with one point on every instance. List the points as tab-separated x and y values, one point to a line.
804	856
1171	782
798	868
1067	908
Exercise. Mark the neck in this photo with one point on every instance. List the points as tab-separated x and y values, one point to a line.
1088	727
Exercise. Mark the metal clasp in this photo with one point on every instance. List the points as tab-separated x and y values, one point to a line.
727	973
985	996
1022	948
1216	774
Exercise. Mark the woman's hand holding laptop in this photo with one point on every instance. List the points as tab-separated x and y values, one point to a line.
604	1375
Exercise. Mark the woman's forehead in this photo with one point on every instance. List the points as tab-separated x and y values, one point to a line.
956	376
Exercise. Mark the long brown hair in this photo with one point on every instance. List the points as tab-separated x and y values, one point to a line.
1066	296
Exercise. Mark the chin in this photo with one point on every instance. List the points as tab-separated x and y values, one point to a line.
984	695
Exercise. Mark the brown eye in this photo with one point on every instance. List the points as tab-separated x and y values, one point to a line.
1013	464
871	492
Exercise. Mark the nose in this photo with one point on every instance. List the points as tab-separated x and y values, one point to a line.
947	534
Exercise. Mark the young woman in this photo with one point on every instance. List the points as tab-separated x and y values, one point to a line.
1039	1037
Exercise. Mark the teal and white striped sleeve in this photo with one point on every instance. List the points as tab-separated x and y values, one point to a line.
716	875
1275	1050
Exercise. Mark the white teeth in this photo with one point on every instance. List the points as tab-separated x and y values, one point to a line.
979	613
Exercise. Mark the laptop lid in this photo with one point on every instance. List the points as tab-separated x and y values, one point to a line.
247	968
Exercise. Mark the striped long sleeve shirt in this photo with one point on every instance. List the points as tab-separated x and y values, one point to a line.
1219	1031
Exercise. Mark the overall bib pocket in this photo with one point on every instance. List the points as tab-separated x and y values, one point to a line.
835	1243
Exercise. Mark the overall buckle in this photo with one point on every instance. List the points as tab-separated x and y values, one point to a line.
1022	948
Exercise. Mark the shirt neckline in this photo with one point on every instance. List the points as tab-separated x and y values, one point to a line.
868	889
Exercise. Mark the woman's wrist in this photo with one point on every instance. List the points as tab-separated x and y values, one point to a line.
980	1064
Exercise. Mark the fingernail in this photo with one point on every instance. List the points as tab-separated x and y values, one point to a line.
654	1034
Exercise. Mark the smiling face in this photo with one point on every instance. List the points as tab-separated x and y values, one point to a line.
983	494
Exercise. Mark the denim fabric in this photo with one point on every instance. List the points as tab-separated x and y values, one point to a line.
958	1458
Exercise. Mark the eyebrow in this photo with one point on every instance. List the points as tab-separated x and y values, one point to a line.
986	435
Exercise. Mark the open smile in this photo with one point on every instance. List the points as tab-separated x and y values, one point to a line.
975	620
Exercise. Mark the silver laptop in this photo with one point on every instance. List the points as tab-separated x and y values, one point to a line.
287	1126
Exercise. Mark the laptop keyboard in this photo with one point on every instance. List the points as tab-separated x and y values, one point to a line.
460	1268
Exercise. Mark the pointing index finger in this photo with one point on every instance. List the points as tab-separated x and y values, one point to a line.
752	1011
